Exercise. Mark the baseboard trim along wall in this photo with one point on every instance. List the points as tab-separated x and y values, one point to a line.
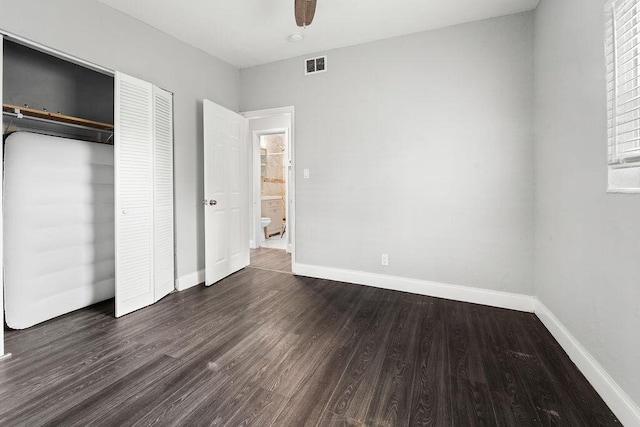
619	402
422	287
189	280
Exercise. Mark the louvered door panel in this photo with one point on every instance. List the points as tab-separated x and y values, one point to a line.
133	152
163	193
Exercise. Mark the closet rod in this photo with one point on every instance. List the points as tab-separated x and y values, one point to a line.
44	114
56	122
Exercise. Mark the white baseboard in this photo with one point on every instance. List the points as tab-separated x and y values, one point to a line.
422	287
619	402
189	280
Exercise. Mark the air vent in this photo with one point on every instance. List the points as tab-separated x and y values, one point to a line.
315	65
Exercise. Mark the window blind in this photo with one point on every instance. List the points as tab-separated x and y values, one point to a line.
622	45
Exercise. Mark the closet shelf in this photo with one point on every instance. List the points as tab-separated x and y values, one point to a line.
32	112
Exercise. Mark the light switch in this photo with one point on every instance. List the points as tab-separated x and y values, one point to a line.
306	174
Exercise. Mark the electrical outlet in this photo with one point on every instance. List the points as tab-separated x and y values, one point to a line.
385	259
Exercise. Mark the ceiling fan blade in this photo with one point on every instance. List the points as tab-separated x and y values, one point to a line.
304	11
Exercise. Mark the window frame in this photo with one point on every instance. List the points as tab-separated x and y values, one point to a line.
622	73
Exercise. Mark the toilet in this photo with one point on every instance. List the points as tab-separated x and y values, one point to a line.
264	221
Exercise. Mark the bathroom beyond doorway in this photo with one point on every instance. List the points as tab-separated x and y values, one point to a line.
273	190
272	121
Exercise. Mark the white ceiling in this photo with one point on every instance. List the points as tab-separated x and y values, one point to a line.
251	32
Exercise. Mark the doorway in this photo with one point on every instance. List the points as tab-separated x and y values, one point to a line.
270	134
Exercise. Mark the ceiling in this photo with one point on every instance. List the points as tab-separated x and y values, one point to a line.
251	32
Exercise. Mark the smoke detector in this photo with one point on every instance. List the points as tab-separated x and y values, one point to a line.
296	37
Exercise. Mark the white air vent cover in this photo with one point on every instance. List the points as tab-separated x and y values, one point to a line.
315	65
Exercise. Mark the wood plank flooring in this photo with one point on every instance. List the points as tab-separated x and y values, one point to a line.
268	348
271	259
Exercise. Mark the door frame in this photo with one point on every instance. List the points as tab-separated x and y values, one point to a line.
253	142
1	212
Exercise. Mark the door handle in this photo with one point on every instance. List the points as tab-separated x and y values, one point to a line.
209	202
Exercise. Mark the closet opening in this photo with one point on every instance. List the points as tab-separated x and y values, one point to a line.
88	186
58	208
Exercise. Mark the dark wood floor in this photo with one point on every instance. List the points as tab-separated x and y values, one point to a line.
269	348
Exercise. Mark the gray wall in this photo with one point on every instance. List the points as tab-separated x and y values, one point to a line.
587	250
42	81
97	33
419	147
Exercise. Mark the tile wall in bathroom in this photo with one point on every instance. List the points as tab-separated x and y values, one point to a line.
273	183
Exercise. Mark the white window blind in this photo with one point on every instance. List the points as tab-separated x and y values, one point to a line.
622	44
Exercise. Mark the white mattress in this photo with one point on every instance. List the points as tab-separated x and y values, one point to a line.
58	226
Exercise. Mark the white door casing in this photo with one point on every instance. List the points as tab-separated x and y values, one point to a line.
163	193
225	193
263	122
1	218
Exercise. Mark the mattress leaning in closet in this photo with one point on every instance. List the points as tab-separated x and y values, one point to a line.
58	226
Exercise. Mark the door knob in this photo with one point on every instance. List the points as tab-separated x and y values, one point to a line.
213	202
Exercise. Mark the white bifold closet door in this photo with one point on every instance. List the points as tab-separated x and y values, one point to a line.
143	176
163	192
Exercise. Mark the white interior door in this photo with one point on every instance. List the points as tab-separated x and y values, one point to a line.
226	217
163	192
133	151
